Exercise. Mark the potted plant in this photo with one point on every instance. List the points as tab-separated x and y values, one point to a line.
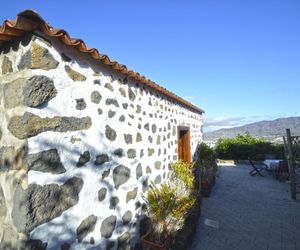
167	207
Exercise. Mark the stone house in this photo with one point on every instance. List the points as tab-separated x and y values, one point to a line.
81	137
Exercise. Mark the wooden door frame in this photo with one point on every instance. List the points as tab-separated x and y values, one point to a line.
188	143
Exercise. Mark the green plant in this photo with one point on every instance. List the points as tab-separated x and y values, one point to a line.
183	172
166	210
169	204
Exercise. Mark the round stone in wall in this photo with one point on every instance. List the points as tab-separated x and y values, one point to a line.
101	159
108	226
139	171
113	202
38	90
153	127
96	97
83	159
157	179
118	152
131	153
102	194
122	118
121	175
127	217
128	138
86	226
80	104
111	113
110	133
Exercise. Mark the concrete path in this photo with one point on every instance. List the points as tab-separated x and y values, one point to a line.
252	212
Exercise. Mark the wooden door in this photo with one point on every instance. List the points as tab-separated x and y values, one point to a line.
184	147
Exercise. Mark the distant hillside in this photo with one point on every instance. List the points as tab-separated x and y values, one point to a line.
269	129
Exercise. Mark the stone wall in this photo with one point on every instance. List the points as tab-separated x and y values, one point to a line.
80	143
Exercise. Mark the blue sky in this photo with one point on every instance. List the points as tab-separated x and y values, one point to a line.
237	60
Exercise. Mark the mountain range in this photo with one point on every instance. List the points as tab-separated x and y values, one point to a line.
267	129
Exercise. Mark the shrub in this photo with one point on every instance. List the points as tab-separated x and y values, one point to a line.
169	204
244	146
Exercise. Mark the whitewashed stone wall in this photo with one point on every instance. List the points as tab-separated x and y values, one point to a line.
92	140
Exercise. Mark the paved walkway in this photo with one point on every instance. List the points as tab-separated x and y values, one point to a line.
252	212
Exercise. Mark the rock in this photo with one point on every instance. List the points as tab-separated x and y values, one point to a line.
150	139
138	109
148	170
111	114
35	245
102	194
80	104
122	92
174	157
113	202
118	152
153	128
40	204
83	159
74	75
29	125
86	226
105	173
110	133
110	101
145	185
46	161
157	179
100	111
97	82
41	58
37	58
131	195
108	226
142	153
128	138
3	209
65	58
124	241
169	125
124	105
122	118
131	116
12	159
159	152
13	93
131	95
174	131
131	153
101	159
158	140
127	217
146	126
109	86
6	66
121	175
151	151
157	165
137	206
138	137
38	90
96	97
65	246
139	171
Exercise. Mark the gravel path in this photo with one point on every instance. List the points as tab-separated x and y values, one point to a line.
252	213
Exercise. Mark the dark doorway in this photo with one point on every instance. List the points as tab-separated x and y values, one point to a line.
184	146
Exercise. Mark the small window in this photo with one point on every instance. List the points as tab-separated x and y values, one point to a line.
184	145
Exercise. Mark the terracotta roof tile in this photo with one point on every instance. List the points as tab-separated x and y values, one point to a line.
29	20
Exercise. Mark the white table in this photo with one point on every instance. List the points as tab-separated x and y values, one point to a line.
272	164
